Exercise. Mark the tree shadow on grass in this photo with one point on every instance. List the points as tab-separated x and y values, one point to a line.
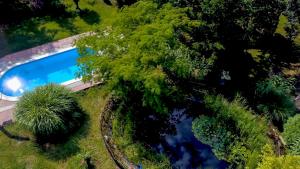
68	146
28	34
107	2
89	16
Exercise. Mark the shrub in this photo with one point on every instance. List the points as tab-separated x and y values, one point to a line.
243	135
274	99
213	132
48	111
270	161
291	134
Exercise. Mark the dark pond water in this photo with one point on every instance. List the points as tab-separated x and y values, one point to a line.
183	148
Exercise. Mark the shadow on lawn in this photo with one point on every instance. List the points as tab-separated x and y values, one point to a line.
68	146
89	16
12	136
27	35
37	31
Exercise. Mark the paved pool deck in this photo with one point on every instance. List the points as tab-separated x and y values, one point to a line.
7	108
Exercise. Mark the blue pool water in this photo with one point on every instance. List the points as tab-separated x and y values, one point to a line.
57	68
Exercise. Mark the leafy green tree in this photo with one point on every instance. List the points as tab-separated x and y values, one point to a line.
274	99
291	135
140	57
48	111
16	10
239	20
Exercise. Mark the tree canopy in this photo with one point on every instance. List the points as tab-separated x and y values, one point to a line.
140	54
156	54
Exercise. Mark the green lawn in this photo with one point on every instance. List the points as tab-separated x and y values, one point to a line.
87	141
37	31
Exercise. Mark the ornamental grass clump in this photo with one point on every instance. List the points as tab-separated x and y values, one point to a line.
50	112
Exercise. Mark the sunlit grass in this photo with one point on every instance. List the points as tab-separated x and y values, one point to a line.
40	30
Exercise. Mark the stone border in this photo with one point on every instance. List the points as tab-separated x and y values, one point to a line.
106	117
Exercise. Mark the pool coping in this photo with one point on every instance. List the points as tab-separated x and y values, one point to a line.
32	59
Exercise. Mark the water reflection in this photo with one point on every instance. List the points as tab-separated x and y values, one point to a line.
183	148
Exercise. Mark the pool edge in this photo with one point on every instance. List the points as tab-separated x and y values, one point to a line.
35	58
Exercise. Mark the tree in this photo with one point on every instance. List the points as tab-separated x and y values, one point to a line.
291	135
140	56
236	20
12	11
48	111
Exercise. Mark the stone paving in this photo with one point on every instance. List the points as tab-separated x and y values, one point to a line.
7	107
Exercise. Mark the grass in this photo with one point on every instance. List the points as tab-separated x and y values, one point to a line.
293	70
283	22
37	31
86	142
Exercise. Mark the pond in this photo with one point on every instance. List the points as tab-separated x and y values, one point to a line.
184	150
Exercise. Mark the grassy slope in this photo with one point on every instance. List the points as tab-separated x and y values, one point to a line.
24	154
37	31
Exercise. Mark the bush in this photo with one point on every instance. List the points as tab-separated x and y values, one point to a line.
243	135
48	111
274	99
291	134
213	132
270	161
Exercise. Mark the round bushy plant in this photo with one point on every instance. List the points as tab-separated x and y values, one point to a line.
49	110
291	134
211	131
274	99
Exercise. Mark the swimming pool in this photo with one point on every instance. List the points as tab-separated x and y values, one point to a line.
59	68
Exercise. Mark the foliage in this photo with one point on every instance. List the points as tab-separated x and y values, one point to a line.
123	136
48	111
270	161
140	53
274	98
291	134
17	9
244	138
293	14
213	132
238	20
